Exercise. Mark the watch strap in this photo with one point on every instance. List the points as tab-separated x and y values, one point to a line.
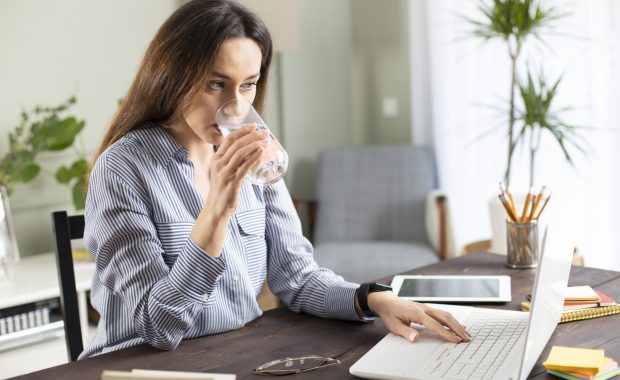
362	299
362	296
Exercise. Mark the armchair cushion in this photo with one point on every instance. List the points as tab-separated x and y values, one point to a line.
374	193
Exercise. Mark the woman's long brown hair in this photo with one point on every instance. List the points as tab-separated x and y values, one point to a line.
175	66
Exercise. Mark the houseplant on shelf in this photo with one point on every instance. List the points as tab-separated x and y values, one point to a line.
44	129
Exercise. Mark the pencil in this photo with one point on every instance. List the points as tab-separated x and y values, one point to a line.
526	204
543	207
504	201
536	202
502	187
511	200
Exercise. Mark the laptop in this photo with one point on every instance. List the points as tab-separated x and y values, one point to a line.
505	344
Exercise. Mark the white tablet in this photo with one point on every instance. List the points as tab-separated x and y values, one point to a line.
452	288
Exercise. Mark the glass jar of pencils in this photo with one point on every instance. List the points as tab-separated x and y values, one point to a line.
522	244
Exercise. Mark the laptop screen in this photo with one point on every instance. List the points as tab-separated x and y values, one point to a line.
547	297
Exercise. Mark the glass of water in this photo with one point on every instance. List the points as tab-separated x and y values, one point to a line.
236	113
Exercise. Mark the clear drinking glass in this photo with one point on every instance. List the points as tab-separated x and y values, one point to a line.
238	112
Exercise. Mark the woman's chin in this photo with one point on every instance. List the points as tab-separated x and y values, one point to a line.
216	140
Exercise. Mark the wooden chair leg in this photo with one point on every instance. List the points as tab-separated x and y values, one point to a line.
443	229
481	245
577	258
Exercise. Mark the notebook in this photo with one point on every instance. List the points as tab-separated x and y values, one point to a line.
507	357
580	314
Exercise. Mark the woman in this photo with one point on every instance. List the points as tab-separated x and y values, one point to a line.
182	243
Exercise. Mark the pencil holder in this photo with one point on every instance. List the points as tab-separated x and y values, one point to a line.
522	244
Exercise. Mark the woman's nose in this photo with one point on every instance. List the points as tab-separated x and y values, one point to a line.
236	107
240	105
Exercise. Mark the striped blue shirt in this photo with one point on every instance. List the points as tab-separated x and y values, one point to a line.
153	284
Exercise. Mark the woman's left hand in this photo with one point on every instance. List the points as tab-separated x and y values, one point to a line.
398	314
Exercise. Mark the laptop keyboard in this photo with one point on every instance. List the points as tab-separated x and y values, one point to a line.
492	337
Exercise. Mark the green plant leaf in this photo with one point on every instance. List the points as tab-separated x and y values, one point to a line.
79	194
56	134
509	19
538	115
79	168
63	174
26	172
40	130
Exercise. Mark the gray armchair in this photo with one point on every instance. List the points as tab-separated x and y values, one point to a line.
371	212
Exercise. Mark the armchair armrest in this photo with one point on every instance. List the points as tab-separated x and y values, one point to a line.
437	224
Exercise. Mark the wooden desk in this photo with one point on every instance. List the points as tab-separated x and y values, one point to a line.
280	333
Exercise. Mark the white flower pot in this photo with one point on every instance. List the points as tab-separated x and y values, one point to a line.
498	226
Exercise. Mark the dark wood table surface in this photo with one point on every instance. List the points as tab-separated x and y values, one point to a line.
280	333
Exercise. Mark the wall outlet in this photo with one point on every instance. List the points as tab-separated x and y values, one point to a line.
389	107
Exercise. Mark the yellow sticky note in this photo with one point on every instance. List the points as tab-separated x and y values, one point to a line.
575	359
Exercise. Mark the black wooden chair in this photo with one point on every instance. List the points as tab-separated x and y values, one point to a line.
67	228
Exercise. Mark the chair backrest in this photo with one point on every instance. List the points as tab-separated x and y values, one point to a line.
67	228
375	192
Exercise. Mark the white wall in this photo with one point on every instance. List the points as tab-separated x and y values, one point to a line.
381	69
50	50
314	87
351	55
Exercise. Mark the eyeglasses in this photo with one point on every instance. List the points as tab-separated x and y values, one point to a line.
290	366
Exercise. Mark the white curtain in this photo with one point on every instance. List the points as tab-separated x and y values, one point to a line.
457	84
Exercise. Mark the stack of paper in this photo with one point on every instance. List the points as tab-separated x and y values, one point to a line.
582	302
580	363
584	297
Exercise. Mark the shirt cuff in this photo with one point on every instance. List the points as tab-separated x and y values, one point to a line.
340	302
195	273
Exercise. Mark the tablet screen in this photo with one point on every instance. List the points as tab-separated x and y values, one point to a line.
450	287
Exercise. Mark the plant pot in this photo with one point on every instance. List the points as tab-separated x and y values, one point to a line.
497	214
9	254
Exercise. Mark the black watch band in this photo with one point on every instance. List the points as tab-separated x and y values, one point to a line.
362	295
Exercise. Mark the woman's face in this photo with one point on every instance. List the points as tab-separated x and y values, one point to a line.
235	73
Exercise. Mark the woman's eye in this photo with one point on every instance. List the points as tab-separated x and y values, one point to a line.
248	86
216	85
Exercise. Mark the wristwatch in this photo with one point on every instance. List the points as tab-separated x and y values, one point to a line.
362	296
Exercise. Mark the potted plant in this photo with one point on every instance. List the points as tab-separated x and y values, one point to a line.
530	112
538	115
515	22
44	129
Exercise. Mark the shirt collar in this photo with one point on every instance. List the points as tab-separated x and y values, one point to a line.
163	146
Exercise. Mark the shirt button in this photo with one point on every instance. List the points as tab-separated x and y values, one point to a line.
240	322
205	297
235	278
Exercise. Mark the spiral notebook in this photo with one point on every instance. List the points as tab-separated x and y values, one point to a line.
577	315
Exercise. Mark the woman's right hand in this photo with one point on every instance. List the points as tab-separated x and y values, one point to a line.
240	151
